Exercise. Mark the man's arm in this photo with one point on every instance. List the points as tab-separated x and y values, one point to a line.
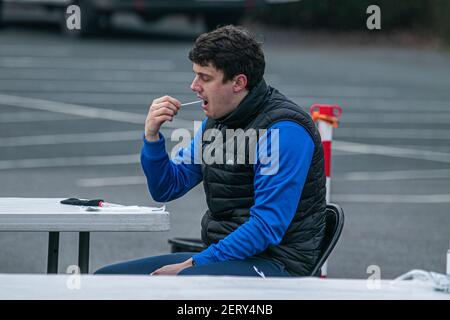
170	179
276	199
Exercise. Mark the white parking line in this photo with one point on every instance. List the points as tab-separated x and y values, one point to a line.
87	112
350	176
339	90
393	133
376	117
70	162
391	151
128	159
111	98
429	147
393	175
85	63
82	87
155	85
378	104
111	181
33	116
424	103
136	76
37	50
67	108
53	139
392	198
72	76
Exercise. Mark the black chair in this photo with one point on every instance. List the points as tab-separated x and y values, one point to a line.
333	229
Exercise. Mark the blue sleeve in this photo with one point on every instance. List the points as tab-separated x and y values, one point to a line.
278	187
170	179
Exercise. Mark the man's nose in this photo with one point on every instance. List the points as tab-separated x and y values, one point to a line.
194	85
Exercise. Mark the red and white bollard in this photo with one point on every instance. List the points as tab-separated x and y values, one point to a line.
327	118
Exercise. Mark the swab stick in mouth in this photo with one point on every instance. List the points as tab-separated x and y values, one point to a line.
189	103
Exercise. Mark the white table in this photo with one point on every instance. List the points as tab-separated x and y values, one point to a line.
68	287
48	215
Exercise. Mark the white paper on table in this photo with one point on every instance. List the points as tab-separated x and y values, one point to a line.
125	209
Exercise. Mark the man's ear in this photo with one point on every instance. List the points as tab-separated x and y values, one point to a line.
240	83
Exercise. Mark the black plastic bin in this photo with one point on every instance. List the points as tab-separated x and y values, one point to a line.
186	245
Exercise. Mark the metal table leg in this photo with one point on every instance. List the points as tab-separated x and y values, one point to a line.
53	250
83	252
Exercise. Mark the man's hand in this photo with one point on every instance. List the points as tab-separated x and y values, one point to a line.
172	269
162	109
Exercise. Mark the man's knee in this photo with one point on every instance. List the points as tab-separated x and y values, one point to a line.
105	270
101	271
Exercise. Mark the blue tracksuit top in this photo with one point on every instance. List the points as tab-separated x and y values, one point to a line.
276	196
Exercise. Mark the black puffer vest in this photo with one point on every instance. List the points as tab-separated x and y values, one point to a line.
230	191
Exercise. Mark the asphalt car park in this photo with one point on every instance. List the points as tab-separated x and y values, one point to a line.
60	137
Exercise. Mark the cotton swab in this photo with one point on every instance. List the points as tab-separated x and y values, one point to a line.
189	103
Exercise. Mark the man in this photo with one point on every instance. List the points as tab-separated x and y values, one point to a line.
257	224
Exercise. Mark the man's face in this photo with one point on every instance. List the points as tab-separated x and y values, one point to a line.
218	98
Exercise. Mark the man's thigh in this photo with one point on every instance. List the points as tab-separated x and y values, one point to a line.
251	267
145	265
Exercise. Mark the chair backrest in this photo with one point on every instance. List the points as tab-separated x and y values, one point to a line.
333	229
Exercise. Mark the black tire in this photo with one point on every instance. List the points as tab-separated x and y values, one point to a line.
212	21
89	20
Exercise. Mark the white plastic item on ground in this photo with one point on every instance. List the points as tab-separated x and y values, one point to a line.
439	282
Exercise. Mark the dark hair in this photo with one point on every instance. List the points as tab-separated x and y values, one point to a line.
232	50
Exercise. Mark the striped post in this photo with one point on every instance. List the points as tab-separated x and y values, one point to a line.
327	117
